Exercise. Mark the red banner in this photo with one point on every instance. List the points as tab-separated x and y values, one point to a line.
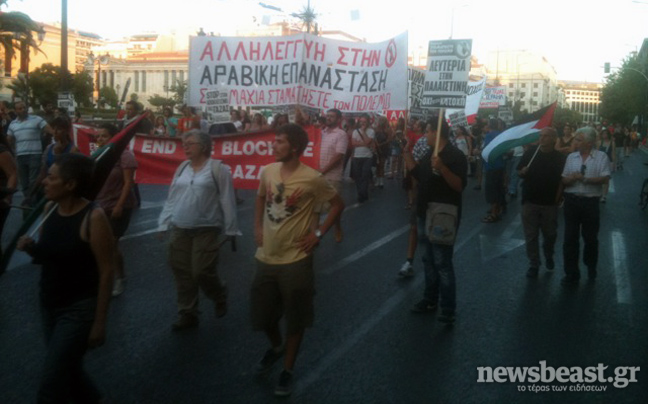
245	154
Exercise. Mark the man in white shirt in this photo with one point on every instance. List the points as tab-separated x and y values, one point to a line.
201	206
362	142
25	137
586	171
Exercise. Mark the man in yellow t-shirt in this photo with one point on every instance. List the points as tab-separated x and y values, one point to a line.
284	283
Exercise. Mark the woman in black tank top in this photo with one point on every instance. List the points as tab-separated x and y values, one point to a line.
75	249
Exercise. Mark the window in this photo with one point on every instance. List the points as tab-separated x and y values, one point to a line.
182	76
143	81
136	81
523	85
522	95
166	79
535	85
535	93
510	94
510	85
112	79
173	77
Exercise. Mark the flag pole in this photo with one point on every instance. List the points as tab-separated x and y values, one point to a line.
534	155
438	133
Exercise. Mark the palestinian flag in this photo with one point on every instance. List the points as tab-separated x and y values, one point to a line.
105	159
521	133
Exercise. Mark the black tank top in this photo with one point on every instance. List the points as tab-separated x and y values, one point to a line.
70	271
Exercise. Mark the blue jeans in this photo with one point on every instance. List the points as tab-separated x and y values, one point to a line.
514	179
439	272
361	173
66	335
28	169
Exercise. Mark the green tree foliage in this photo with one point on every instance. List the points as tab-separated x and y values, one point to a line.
566	115
45	84
179	90
625	94
160	102
108	95
17	28
82	89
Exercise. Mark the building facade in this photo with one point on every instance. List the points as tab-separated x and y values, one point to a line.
529	78
583	97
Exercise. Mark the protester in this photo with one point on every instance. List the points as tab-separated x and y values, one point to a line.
397	144
258	123
245	121
279	120
235	118
619	144
494	171
188	121
75	249
383	139
133	111
62	145
283	284
441	179
606	145
420	149
6	117
363	144
413	138
565	142
8	182
541	170
332	150
25	137
586	170
200	207
170	122
463	142
160	127
117	199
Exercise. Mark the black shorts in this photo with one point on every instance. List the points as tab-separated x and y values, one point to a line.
495	186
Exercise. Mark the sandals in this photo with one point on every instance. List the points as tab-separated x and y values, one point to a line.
490	219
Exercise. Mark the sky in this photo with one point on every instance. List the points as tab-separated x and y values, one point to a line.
576	36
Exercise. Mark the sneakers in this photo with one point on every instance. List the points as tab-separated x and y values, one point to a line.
407	270
269	358
423	306
532	273
550	264
285	385
118	286
185	322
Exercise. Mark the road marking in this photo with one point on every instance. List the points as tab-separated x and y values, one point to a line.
371	247
371	322
621	276
496	246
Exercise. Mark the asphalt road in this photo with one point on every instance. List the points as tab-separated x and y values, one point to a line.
365	346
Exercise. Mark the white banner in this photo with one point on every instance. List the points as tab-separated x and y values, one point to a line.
474	94
494	97
300	69
416	81
448	69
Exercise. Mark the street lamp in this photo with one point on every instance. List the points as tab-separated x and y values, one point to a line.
452	18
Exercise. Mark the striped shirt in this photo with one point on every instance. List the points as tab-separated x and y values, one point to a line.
27	134
596	165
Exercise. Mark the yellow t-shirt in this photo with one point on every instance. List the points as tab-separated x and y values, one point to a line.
288	211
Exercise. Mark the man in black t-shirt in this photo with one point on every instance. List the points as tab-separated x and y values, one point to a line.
541	169
441	179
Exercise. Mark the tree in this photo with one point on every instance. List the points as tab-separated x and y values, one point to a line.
17	31
566	115
45	84
179	90
108	95
161	102
82	88
625	93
